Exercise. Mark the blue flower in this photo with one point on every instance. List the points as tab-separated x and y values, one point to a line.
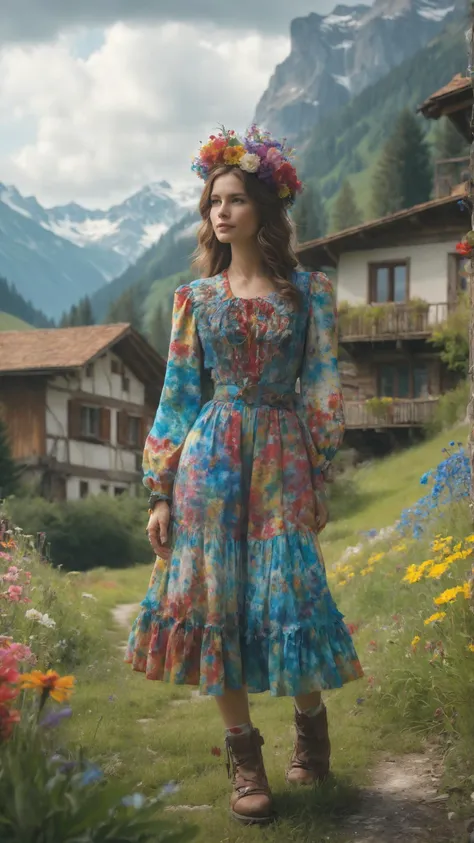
51	720
169	789
424	479
135	800
91	774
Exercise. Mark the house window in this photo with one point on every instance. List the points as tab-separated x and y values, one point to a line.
83	489
394	381
90	370
388	282
116	367
134	430
119	490
461	275
420	382
90	421
125	383
104	489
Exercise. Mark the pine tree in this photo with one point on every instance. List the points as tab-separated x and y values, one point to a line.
346	212
403	176
449	143
8	469
309	216
125	309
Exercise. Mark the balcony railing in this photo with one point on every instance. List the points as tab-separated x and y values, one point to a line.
395	321
400	413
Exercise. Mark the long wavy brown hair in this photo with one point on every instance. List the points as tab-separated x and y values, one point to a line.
274	236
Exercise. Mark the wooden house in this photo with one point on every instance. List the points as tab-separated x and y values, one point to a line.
396	278
78	403
454	101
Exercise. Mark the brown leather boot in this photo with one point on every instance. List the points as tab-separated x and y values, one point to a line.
310	760
251	801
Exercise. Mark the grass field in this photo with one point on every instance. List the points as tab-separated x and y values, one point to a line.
12	323
149	734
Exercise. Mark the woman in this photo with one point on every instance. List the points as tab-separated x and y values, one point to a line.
238	600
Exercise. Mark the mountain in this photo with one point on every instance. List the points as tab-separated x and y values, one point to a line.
13	304
55	256
171	254
349	142
334	57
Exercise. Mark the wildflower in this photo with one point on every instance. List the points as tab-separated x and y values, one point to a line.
53	718
49	684
415	640
449	595
33	615
424	479
467	590
413	574
47	621
438	713
135	800
216	751
14	593
438	616
91	774
12	574
169	789
8	718
438	570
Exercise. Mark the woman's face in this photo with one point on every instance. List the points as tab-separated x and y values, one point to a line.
233	216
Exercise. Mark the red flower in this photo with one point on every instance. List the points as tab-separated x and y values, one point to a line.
8	718
216	751
463	249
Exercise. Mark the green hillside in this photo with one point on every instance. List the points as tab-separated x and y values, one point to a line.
12	323
349	143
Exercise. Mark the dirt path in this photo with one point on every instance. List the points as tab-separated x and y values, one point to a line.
403	804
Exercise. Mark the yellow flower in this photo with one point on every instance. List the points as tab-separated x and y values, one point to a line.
415	640
449	595
233	154
470	647
438	616
413	574
467	590
284	191
470	538
438	570
376	557
400	548
50	683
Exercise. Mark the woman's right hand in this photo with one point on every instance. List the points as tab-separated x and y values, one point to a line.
157	529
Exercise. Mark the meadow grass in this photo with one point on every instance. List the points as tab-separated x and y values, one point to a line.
148	734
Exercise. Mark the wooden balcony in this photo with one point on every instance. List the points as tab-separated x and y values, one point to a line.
414	412
397	321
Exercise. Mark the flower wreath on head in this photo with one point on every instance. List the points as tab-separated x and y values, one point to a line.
257	152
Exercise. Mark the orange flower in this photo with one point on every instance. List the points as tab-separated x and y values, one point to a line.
50	683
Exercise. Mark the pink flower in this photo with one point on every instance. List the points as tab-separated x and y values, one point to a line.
6	556
12	574
14	593
274	157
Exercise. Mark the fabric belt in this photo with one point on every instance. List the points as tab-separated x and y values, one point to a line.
280	395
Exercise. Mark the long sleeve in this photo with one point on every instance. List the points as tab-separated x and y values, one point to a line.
320	404
180	400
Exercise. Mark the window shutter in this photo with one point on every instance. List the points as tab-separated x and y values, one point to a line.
74	419
122	427
104	424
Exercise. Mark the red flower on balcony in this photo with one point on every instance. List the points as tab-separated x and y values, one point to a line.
463	249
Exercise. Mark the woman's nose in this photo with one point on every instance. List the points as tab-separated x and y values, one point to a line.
223	211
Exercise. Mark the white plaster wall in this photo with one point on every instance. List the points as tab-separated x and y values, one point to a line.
103	382
428	271
73	487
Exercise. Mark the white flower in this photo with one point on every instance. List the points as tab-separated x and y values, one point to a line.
89	596
33	615
47	621
250	162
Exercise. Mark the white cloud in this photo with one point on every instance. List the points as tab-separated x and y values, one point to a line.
131	112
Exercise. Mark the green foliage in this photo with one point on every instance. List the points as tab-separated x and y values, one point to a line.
403	176
379	407
9	474
158	309
88	533
351	139
448	141
452	338
126	309
309	216
451	408
80	314
12	302
346	212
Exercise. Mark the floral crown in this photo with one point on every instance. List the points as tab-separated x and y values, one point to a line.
257	153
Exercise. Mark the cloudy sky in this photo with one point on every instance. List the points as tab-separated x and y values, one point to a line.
99	97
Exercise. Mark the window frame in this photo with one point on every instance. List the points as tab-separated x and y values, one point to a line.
90	434
390	265
396	365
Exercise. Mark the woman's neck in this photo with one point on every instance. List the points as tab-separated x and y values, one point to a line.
246	264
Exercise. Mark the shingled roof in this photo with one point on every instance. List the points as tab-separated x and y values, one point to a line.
62	349
436	103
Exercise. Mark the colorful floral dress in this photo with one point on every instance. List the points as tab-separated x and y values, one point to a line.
244	599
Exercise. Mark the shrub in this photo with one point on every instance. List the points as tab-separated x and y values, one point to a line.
452	338
93	532
451	408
